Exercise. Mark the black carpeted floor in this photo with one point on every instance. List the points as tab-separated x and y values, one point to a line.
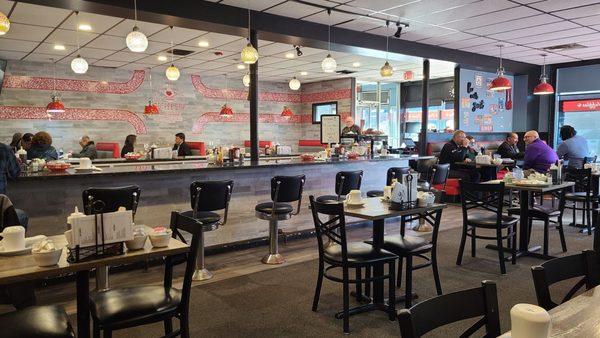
277	302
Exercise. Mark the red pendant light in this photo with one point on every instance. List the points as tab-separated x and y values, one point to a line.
544	88
151	108
226	111
287	112
55	106
500	83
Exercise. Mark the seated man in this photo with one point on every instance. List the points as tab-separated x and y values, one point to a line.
509	149
538	155
457	151
88	148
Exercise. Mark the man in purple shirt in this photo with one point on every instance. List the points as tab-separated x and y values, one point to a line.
538	155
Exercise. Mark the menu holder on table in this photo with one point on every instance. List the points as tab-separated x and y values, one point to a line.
404	193
100	235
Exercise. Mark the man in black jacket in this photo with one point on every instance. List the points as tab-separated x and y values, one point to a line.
456	151
183	149
509	149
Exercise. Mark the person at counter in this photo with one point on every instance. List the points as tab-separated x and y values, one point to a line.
10	170
574	148
350	128
15	144
183	149
538	155
129	145
457	151
41	147
509	149
88	148
26	141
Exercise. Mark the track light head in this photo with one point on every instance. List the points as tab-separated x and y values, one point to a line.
399	26
298	51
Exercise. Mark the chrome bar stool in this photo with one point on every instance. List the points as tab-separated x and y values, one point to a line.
284	190
207	197
103	200
345	181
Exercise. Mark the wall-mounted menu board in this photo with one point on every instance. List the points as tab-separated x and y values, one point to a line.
330	129
483	110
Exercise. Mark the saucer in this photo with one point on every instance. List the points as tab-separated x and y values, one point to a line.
23	251
355	205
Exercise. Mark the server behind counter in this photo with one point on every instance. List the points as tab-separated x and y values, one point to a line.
183	149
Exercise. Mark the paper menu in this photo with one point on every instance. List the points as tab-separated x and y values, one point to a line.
117	228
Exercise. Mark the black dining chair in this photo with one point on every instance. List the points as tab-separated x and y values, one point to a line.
450	308
338	253
559	269
47	321
582	193
392	173
206	197
121	308
345	181
482	205
284	190
437	176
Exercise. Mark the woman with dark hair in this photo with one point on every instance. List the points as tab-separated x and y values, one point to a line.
574	148
129	145
41	147
15	144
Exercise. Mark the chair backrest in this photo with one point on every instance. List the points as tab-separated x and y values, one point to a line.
102	200
332	227
453	307
562	268
424	164
581	177
287	188
345	181
396	173
482	196
178	224
211	196
439	174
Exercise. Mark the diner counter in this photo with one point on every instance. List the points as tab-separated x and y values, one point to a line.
48	198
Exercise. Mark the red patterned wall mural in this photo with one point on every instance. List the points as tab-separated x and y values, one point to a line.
79	114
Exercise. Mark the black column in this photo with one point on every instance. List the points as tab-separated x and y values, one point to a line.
253	98
425	109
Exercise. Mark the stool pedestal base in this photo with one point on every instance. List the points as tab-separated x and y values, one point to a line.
202	274
273	259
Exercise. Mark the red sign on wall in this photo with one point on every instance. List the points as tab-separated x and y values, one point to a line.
581	105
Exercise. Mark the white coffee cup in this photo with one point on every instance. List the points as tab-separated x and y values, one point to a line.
354	197
13	238
387	192
85	163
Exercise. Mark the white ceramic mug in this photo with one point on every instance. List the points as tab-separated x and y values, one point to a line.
85	163
13	238
387	192
354	197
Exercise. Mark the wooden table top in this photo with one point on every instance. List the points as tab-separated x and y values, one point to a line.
547	188
375	209
23	268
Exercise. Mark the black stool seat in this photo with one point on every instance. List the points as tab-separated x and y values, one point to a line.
375	193
406	244
36	322
203	216
280	208
489	221
117	305
578	196
330	199
538	211
358	253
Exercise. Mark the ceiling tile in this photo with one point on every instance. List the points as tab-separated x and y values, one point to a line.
89	52
378	5
10	55
294	10
276	49
477	41
577	32
557	5
505	16
362	24
126	26
179	35
579	12
255	5
532	21
215	39
28	32
421	9
126	56
99	23
155	47
336	17
17	45
107	63
588	20
63	36
108	42
533	31
38	15
235	46
5	6
48	48
471	10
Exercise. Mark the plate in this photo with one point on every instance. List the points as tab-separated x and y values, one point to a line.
532	184
84	170
26	250
355	205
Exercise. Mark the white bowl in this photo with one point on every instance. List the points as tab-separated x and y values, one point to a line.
160	240
136	243
49	258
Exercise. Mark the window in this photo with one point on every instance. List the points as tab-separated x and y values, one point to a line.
325	108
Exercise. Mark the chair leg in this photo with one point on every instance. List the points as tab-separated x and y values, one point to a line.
368	283
461	248
184	326
107	333
574	213
318	286
513	229
392	292
408	286
546	226
561	233
346	316
473	243
588	212
168	323
500	251
436	274
96	330
358	284
399	273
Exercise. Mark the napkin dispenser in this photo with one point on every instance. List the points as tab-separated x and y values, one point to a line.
404	192
162	153
529	321
483	159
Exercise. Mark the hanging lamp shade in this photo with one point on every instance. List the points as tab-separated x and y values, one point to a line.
79	65
151	108
287	112
249	54
172	73
246	80
55	106
4	24
294	83
329	64
500	83
543	88
226	111
136	41
386	70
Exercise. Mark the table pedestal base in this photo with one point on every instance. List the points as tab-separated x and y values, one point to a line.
531	252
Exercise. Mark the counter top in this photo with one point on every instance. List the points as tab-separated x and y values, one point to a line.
134	168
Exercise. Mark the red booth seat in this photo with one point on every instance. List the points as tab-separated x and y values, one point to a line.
311	143
197	148
261	144
108	150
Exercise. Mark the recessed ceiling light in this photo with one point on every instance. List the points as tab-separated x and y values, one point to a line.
356	64
303	73
203	43
162	58
85	27
59	47
241	67
289	55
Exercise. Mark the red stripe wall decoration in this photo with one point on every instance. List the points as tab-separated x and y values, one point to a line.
74	114
91	86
